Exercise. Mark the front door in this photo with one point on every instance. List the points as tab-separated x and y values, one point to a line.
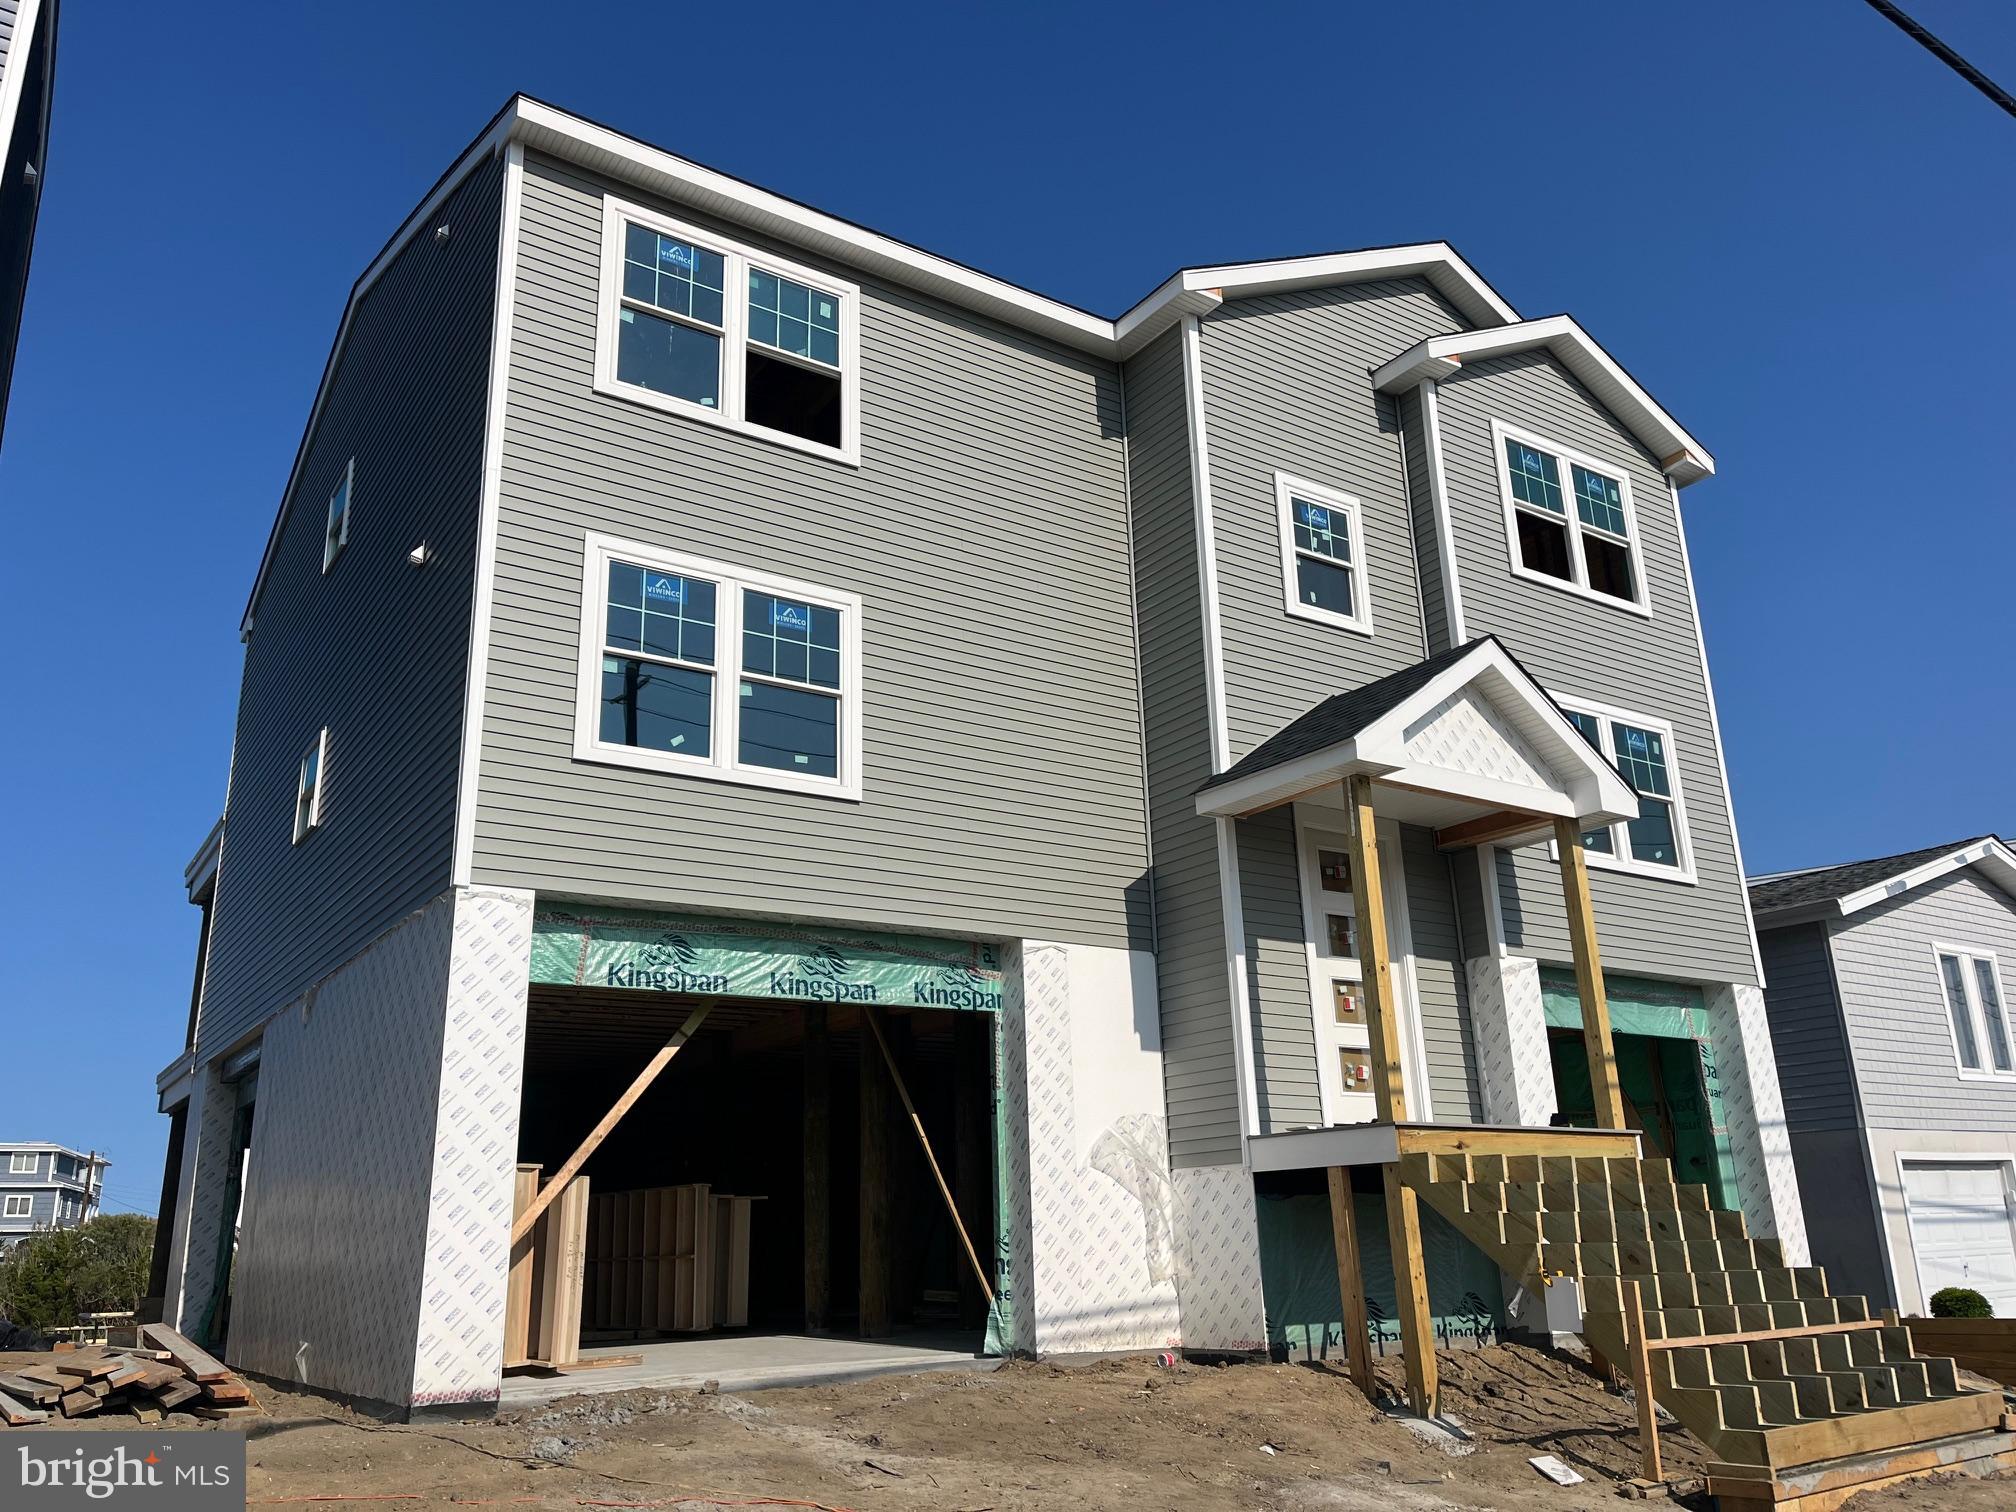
1336	974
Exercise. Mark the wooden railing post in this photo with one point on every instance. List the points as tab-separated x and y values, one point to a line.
1641	1383
1609	1097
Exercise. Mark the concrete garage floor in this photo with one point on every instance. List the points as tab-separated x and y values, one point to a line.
751	1362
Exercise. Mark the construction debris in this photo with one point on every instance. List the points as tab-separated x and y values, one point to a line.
166	1374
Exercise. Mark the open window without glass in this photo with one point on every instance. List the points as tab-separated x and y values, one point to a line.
336	529
703	326
1589	548
308	789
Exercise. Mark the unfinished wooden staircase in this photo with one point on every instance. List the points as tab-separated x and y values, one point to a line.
1776	1372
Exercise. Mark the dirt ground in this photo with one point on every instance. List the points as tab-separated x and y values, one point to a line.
1114	1434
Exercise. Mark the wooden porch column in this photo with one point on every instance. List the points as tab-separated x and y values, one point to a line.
1351	1281
1589	976
1389	1095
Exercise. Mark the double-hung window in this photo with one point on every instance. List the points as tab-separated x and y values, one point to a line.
336	527
714	671
708	328
1641	748
1569	519
308	787
1976	1011
1322	554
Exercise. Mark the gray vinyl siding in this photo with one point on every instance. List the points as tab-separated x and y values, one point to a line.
1443	990
986	532
1579	648
1421	514
1467	868
1843	1233
1888	979
1815	1073
1277	974
41	1213
1199	1056
1285	390
374	650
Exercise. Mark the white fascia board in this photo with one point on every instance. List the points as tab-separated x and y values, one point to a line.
202	868
1994	858
1682	458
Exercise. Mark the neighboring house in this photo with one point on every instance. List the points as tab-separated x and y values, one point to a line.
682	596
27	88
1889	991
47	1186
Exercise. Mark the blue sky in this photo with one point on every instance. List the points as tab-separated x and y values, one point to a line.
1791	223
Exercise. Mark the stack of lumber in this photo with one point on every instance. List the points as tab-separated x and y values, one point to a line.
667	1260
165	1374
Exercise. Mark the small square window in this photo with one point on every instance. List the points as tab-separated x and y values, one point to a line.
1543	546
19	1161
1335	869
1340	935
336	530
20	1207
308	790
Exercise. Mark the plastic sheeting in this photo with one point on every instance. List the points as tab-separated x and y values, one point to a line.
1657	1011
1298	1278
728	958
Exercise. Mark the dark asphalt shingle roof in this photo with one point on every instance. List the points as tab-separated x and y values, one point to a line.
1827	882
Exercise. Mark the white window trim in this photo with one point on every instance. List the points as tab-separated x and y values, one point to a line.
1286	489
1577	564
735	323
599	551
15	1159
313	821
19	1207
331	550
1621	860
1968	955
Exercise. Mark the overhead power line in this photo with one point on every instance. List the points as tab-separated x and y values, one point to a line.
1946	55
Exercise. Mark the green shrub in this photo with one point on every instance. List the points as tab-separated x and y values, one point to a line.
1960	1302
52	1276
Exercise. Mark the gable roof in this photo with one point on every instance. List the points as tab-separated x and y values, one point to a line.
1188	291
1836	891
1682	458
1368	730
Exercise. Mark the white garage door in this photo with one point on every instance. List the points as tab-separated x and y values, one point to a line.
1963	1230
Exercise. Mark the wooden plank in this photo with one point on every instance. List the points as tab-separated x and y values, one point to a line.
1488	829
874	1019
637	1088
1641	1383
196	1364
1588	1143
1351	1280
874	1307
77	1404
1375	954
665	1273
175	1395
1410	1285
88	1367
817	1114
19	1414
518	1285
35	1393
571	1260
703	1257
1589	975
1804	1331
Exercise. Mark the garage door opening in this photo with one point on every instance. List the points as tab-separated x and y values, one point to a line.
834	1250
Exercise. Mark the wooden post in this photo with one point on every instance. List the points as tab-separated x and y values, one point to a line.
818	1168
1389	1095
1351	1281
1589	976
874	1165
1375	954
973	1148
1641	1383
614	1116
1410	1291
518	1281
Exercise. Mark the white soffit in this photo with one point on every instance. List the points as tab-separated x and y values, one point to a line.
1683	458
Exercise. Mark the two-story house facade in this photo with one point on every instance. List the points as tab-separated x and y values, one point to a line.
1889	984
47	1186
684	598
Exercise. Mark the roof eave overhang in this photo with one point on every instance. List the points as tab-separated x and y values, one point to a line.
1680	456
1991	857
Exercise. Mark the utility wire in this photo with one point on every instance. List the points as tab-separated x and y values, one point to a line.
1945	55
